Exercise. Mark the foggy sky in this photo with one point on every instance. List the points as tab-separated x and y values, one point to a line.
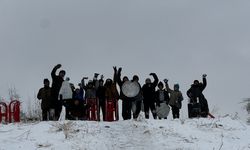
178	40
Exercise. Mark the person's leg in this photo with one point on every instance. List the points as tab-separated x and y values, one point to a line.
124	110
44	115
146	110
129	109
137	105
102	106
175	111
153	110
58	110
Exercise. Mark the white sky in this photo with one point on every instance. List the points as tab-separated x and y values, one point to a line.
179	40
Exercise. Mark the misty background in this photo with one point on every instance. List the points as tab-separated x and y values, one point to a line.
178	40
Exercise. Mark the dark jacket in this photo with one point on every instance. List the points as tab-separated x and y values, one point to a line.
195	92
101	93
148	90
44	94
79	96
158	97
56	83
176	97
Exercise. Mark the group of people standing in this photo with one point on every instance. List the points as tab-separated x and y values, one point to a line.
62	92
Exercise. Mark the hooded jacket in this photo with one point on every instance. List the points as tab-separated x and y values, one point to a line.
44	94
175	97
195	92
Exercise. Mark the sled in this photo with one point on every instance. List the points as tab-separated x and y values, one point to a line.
3	112
111	110
194	110
210	115
73	111
162	111
93	109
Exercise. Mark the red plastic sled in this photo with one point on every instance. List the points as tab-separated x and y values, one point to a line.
93	109
111	110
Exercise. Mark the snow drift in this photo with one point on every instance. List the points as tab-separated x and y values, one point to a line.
190	134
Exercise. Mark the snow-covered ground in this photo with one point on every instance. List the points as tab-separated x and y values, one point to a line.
190	134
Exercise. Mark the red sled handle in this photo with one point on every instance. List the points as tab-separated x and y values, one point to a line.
210	115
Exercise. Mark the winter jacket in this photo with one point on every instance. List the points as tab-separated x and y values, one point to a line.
79	96
56	84
111	92
44	94
101	92
164	98
90	93
148	90
65	91
175	97
195	92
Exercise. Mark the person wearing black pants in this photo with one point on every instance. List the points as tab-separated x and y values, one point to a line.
148	90
57	81
101	96
176	99
44	94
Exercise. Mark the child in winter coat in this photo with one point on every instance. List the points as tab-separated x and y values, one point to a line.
175	99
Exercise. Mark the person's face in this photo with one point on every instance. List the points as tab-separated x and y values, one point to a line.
176	88
160	87
46	83
90	85
148	81
62	74
77	90
125	79
101	83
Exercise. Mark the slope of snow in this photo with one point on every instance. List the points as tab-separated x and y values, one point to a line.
190	134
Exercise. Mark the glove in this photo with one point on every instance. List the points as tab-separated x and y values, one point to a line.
165	80
84	78
120	69
58	66
115	69
204	75
152	74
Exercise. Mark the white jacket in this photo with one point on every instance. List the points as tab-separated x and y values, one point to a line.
65	91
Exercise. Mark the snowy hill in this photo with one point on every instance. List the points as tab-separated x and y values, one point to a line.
190	134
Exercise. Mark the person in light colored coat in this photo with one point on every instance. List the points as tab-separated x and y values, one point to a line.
176	99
